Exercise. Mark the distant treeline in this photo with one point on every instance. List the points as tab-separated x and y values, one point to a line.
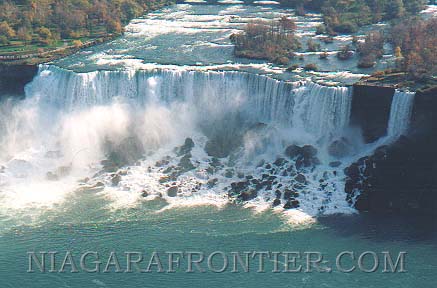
45	21
345	16
414	42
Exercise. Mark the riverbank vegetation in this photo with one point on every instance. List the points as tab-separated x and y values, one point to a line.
346	16
414	47
33	26
274	41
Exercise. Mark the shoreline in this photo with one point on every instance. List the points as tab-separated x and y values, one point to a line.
51	55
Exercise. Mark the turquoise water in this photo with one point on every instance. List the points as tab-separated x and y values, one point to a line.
209	229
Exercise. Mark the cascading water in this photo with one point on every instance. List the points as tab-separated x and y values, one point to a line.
117	131
400	113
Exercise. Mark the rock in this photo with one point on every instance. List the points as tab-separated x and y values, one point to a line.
98	186
300	178
276	202
340	148
279	162
144	193
309	151
238	187
268	166
335	164
115	179
229	173
278	194
186	148
248	195
293	151
291	204
353	172
162	163
185	164
172	191
287	194
211	182
260	163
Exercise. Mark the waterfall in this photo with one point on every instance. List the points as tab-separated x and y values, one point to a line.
319	110
400	113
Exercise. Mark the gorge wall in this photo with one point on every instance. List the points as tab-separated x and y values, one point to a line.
399	178
13	78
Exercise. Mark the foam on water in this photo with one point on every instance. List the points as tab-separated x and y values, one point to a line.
117	133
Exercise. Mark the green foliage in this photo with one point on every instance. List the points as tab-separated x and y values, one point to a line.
4	40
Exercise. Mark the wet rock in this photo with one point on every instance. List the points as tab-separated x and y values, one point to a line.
98	186
248	195
126	152
300	178
309	151
215	162
173	191
185	164
279	162
260	163
276	202
287	194
238	187
115	180
229	173
162	163
186	148
293	151
278	194
268	166
144	193
109	166
335	164
353	172
168	170
340	148
211	183
291	204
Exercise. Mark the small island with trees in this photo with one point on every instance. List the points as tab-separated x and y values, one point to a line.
413	39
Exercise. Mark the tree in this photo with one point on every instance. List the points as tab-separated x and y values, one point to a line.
24	34
6	30
398	52
395	9
4	40
287	25
114	26
45	36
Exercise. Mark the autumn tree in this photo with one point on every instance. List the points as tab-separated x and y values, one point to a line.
6	30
